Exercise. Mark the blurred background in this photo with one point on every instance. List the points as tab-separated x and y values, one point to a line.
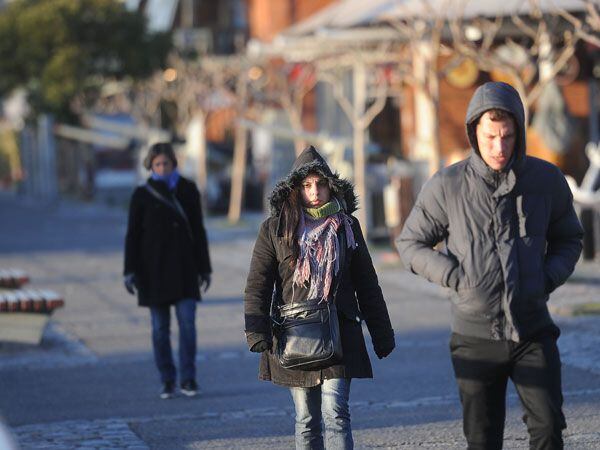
241	86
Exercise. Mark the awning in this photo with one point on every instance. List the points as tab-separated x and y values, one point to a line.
359	13
343	14
479	8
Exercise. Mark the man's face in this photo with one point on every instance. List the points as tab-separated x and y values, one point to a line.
496	140
315	191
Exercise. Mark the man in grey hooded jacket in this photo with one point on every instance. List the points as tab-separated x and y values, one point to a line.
512	237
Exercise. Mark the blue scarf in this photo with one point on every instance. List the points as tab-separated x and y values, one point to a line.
170	180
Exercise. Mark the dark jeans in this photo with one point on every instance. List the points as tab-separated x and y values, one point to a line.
185	310
482	368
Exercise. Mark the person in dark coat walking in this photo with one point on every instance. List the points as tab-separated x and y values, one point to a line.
512	237
167	261
310	244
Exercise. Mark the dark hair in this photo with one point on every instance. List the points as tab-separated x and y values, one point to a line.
498	115
160	148
290	217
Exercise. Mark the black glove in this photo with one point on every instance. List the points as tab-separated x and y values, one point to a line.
384	350
261	346
129	282
204	280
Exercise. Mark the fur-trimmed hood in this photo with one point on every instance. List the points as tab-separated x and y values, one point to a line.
310	161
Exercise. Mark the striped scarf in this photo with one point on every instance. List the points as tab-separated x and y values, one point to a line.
318	261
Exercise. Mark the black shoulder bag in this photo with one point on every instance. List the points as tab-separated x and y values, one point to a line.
307	333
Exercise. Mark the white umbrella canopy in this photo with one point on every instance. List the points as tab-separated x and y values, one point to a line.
356	13
476	8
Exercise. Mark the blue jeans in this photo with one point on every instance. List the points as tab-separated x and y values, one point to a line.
327	401
185	311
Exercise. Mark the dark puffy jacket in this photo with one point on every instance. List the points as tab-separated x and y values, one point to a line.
159	250
358	295
511	237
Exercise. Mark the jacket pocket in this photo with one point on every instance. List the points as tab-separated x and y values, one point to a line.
478	301
468	271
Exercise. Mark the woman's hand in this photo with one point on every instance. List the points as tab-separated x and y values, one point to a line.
204	281
384	350
129	282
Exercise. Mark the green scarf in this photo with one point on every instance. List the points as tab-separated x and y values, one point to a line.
326	210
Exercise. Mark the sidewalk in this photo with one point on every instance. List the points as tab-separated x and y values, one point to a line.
92	382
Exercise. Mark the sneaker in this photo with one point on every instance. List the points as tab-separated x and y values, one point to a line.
189	388
168	390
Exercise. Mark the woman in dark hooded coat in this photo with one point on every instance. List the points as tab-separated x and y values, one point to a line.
312	248
166	260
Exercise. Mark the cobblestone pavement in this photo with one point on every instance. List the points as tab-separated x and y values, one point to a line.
119	433
92	384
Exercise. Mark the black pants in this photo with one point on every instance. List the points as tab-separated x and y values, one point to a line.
482	368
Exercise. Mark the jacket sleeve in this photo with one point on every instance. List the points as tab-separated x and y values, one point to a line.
259	288
564	236
134	234
426	226
201	241
369	295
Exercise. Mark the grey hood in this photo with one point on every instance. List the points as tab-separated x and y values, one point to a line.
503	96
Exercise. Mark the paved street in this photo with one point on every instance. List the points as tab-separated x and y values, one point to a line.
92	382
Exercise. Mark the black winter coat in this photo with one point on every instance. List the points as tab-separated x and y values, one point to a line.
358	297
159	249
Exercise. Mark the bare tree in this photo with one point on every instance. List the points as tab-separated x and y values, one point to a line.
196	88
424	48
291	82
586	28
356	107
531	49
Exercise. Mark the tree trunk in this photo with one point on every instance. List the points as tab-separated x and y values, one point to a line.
239	158
427	145
358	127
196	148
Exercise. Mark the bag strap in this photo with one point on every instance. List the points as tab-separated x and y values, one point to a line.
342	256
276	296
173	204
274	304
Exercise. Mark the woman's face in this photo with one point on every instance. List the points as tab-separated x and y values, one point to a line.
162	165
315	191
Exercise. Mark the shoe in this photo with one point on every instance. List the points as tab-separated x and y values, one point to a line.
168	390
189	388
